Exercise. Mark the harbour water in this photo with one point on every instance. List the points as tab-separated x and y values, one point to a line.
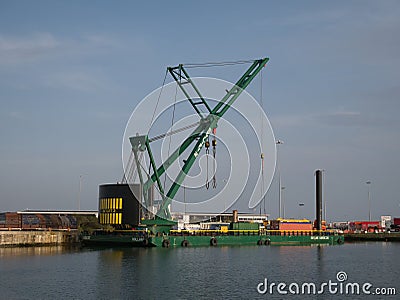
198	273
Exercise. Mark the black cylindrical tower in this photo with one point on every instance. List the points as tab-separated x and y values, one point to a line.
118	205
318	198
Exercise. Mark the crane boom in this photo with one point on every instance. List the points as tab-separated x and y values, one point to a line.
199	134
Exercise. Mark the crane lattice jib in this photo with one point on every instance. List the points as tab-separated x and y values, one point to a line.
199	134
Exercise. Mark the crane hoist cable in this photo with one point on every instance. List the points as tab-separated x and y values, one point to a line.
207	146
262	141
172	132
172	126
143	168
158	99
130	167
133	175
216	64
214	144
127	169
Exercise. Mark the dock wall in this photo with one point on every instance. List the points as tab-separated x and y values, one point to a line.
382	237
18	238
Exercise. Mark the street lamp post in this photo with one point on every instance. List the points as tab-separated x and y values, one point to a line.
279	142
283	202
80	189
369	200
225	181
300	210
184	197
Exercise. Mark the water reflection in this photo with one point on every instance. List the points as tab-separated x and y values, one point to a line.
186	273
32	251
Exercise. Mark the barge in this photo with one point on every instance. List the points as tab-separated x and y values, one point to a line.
213	238
249	237
163	233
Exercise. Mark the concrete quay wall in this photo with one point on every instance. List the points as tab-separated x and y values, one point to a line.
18	238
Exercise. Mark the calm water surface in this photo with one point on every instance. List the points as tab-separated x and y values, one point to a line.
192	273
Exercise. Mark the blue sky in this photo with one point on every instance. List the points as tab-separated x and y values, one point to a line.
71	73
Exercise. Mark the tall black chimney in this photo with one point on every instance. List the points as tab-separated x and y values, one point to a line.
318	198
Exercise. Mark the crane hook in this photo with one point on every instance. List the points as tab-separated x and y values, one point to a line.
207	145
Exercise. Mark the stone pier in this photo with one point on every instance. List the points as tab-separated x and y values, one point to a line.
19	238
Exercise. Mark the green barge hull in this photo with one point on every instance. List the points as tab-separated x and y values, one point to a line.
211	238
113	240
238	240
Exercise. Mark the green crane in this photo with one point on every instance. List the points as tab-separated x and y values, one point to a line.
208	121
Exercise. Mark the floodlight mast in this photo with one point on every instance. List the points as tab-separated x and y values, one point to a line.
198	136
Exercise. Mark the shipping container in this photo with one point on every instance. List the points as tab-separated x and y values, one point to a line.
13	218
73	221
396	221
243	226
65	222
364	225
10	220
2	219
37	221
295	226
55	221
386	221
291	224
30	221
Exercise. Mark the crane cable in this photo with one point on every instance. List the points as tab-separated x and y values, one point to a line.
131	169
135	172
171	132
158	99
127	169
214	144
262	144
172	125
217	64
207	146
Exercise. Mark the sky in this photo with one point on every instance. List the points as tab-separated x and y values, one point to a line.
71	73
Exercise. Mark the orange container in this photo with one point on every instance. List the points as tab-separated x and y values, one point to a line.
295	226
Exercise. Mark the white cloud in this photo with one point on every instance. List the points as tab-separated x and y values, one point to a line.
38	41
17	115
17	49
79	80
101	40
39	46
354	119
346	118
289	120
